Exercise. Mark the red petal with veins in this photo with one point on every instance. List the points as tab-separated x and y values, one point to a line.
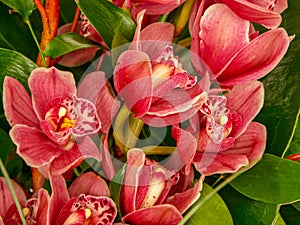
157	215
42	211
182	201
83	148
6	199
33	146
88	183
46	84
95	88
268	49
158	7
219	45
133	82
17	104
107	158
246	100
257	11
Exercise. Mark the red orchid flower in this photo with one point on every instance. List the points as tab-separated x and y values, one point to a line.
229	139
149	194
231	49
153	82
265	12
53	126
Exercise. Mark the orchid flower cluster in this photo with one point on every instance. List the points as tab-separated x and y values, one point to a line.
202	100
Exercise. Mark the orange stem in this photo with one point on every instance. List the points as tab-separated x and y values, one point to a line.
37	178
75	20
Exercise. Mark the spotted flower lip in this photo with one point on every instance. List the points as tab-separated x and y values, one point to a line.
46	126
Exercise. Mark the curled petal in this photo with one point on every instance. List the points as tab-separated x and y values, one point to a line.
258	11
46	84
246	100
157	215
33	146
268	49
132	79
17	104
88	183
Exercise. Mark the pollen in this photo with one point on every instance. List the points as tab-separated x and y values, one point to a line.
26	211
62	112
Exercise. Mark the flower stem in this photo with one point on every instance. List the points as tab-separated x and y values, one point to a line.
37	43
13	193
158	150
184	17
202	201
163	18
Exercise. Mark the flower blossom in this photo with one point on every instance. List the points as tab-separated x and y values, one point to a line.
52	127
232	49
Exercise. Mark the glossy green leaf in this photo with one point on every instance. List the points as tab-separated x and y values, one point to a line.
278	220
214	211
5	144
246	211
15	65
107	19
273	180
67	11
282	88
66	43
296	205
24	7
15	34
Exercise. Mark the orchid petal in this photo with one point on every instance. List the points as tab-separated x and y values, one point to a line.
65	212
182	201
6	199
33	146
157	215
59	196
17	104
107	163
90	184
46	84
257	11
97	89
246	100
132	79
136	160
251	143
43	200
219	45
157	7
244	67
84	148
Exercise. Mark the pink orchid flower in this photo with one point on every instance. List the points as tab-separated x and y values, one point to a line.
150	194
265	12
52	127
152	80
231	49
156	7
229	139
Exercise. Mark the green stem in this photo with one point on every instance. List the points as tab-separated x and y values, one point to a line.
159	150
133	133
202	201
36	42
163	18
292	135
12	190
218	180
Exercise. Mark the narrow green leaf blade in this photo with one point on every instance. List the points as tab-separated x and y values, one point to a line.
214	211
273	180
25	8
16	65
66	43
246	211
107	18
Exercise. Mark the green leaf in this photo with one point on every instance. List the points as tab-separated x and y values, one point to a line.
24	7
278	220
15	34
67	11
214	211
66	43
16	65
246	211
296	205
294	146
106	18
290	215
282	88
5	144
273	180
